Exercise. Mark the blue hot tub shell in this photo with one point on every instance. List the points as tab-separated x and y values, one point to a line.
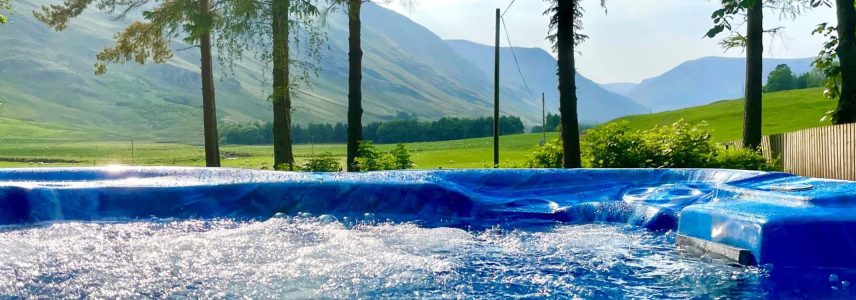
755	217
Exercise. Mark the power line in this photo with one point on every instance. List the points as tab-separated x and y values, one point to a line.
507	7
513	54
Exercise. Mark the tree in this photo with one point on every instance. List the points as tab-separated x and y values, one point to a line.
283	155
752	42
355	77
270	29
150	39
5	8
565	28
845	50
780	79
754	75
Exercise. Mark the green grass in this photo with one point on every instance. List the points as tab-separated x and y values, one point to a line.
30	144
469	153
783	112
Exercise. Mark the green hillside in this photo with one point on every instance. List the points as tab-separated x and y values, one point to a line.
48	77
783	112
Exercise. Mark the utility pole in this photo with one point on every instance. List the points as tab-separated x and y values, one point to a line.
132	152
543	120
496	96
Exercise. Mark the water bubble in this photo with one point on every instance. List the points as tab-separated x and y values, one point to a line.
845	284
304	215
369	217
833	277
280	215
327	218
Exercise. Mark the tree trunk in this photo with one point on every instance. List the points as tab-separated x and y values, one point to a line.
209	108
567	85
282	153
846	50
355	78
754	75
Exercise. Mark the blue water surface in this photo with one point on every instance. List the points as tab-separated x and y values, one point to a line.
185	232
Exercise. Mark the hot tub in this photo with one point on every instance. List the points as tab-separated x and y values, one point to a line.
224	233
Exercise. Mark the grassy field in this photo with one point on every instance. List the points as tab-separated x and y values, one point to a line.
783	112
29	144
470	153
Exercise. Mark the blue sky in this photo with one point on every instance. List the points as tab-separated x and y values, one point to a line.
632	41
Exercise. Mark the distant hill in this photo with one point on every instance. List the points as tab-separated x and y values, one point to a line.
596	104
47	77
621	88
783	112
702	81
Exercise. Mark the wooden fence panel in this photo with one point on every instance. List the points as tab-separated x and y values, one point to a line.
827	152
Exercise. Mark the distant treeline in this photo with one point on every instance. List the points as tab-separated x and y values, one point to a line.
398	131
553	123
783	79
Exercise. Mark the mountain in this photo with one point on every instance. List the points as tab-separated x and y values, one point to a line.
621	88
47	77
702	81
539	70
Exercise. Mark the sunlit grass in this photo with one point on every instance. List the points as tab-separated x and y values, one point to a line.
783	112
469	153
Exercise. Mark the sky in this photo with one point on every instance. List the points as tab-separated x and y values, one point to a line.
629	41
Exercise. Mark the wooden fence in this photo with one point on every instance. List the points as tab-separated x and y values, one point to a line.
827	152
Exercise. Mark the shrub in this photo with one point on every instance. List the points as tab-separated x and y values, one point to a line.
547	156
402	157
745	159
326	162
369	158
679	145
614	145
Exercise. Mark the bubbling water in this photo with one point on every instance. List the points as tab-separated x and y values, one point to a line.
310	257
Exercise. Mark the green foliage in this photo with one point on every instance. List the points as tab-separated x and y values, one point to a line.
246	28
5	9
678	145
553	123
827	63
369	158
724	16
547	156
783	112
809	79
402	157
782	79
615	145
552	12
396	131
325	162
743	159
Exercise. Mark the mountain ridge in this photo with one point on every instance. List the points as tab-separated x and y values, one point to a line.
595	104
407	68
703	81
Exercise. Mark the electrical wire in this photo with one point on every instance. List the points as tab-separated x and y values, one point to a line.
513	54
